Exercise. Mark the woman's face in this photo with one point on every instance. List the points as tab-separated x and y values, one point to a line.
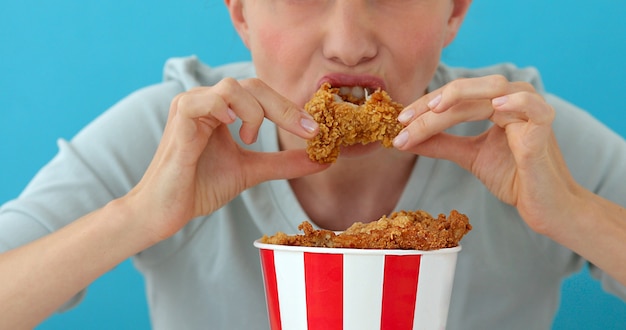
395	44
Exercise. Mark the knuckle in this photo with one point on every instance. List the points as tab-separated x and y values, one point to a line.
455	87
184	100
176	100
229	83
290	113
550	113
224	87
198	101
175	104
526	97
252	84
420	124
530	98
498	82
525	86
546	110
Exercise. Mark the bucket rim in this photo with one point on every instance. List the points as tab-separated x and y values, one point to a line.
326	250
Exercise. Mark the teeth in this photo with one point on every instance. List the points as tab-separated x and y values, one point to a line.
345	90
355	92
358	92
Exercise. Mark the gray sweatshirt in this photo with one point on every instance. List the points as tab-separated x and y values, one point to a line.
208	274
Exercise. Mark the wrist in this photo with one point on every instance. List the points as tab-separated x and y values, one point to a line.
130	225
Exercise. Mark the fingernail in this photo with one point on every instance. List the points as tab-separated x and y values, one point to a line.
498	101
309	125
401	139
406	115
434	102
231	114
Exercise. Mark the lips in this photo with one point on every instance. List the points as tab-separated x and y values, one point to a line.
353	88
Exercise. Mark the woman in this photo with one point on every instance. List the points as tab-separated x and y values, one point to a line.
498	161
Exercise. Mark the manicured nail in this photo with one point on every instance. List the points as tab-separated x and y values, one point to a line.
308	124
434	102
231	114
401	139
498	101
406	115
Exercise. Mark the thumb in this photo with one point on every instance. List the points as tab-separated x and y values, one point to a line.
460	150
288	164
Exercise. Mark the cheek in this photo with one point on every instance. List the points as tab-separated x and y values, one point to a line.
264	45
281	60
415	61
423	40
277	48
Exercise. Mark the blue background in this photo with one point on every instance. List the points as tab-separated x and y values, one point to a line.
63	62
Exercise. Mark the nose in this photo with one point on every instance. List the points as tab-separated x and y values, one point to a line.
350	37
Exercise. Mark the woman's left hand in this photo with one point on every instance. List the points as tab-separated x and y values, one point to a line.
517	159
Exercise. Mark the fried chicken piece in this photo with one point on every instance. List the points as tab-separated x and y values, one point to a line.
404	230
347	120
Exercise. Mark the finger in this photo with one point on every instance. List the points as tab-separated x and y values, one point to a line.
188	108
522	106
461	90
454	148
203	102
244	105
282	111
431	123
287	164
527	119
488	87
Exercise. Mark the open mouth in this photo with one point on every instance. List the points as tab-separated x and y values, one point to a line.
356	95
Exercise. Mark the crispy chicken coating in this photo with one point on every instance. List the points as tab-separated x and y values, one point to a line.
345	120
404	230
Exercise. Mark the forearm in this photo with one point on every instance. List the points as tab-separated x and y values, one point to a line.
596	229
41	276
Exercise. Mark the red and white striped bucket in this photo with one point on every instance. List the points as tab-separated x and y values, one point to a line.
326	288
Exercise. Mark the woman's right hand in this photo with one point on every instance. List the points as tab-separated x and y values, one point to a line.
198	167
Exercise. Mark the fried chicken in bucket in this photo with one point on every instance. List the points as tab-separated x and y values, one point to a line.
404	230
346	119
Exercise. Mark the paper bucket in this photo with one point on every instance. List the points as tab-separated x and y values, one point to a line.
333	288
